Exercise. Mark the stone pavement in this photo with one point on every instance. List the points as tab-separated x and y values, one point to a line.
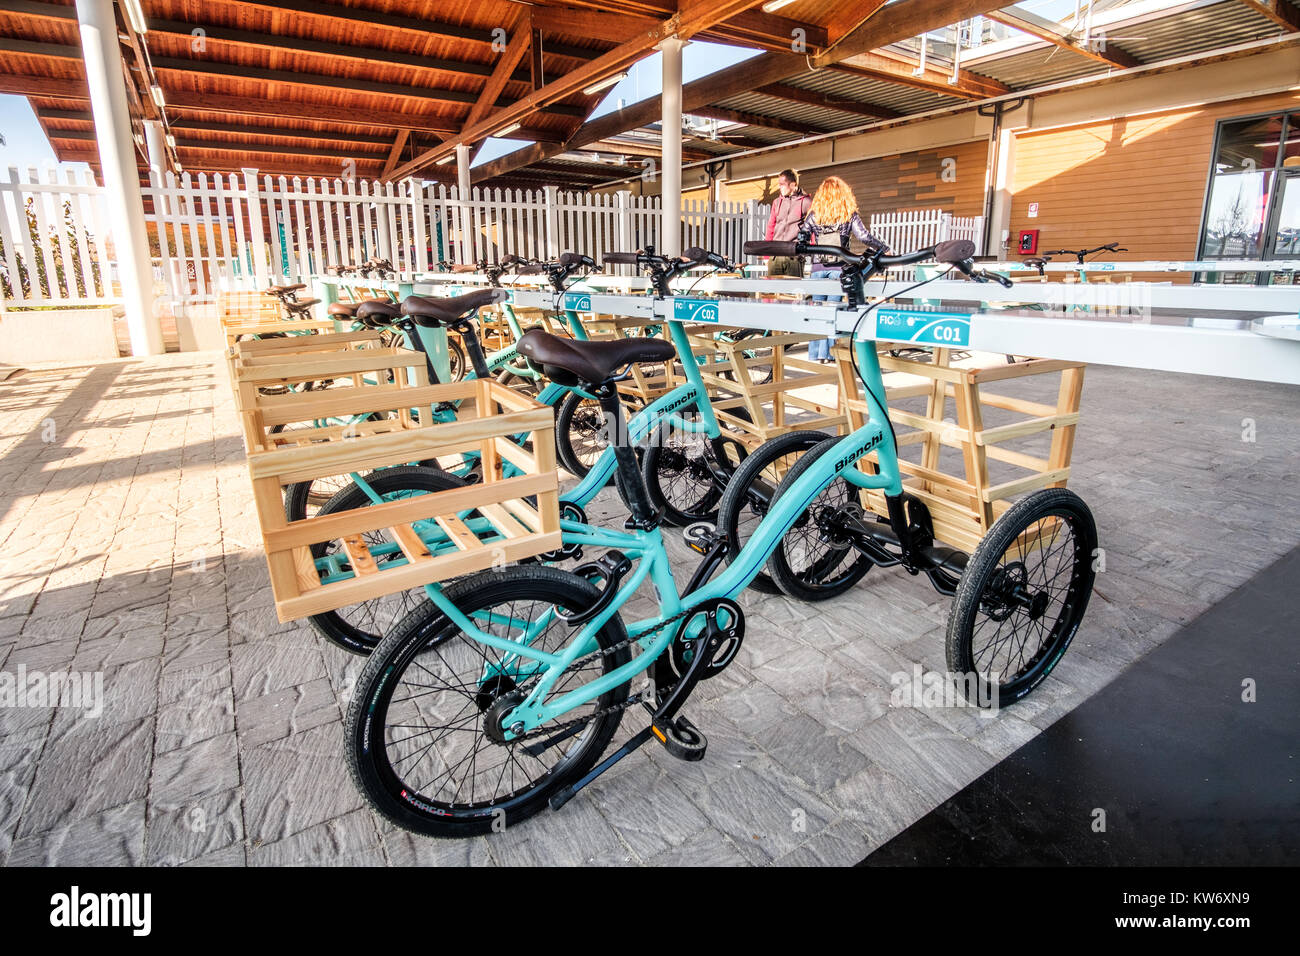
129	547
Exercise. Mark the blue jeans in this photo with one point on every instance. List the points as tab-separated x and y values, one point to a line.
821	349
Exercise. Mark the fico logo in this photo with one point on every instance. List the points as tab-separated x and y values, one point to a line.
695	310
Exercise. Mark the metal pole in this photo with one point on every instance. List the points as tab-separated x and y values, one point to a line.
104	73
670	239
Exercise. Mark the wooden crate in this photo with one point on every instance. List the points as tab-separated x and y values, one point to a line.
789	402
963	499
514	518
251	353
381	371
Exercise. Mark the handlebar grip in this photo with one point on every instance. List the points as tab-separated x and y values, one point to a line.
906	259
464	267
1000	279
573	259
954	251
695	254
621	258
759	248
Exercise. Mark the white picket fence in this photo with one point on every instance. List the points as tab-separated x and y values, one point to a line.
917	228
230	231
56	237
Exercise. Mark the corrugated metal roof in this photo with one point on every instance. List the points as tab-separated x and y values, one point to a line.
778	108
1039	65
1195	31
894	96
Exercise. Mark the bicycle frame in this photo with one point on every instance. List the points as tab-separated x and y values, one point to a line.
651	560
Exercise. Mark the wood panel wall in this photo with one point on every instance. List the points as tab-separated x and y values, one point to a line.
1139	181
912	180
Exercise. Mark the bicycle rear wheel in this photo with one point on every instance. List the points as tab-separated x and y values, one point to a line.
752	488
812	562
420	739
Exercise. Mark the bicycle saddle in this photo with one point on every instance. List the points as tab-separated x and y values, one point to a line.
285	289
436	311
349	309
376	313
571	361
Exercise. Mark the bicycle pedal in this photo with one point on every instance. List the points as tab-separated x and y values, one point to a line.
701	536
681	738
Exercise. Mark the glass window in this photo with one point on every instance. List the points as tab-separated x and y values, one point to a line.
1286	234
1248	145
1253	207
1236	215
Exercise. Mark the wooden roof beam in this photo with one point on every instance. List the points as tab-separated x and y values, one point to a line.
695	17
519	38
428	94
892	68
1284	14
900	21
179	123
812	98
757	119
217	146
1044	29
395	153
372	17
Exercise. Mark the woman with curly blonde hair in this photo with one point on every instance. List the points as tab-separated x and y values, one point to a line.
834	213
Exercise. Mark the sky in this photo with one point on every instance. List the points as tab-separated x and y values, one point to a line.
699	59
25	143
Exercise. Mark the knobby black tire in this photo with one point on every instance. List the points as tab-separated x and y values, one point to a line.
971	649
678	476
828	575
748	487
429	643
357	628
580	433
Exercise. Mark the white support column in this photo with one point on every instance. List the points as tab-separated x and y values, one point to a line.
156	149
256	228
463	193
104	73
1003	176
670	238
155	144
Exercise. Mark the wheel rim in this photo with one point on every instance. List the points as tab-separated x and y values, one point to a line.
811	548
684	474
429	730
586	436
1031	602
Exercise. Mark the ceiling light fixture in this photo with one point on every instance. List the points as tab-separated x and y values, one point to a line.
135	14
156	92
509	129
605	84
774	5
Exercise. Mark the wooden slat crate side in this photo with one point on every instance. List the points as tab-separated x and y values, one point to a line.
520	529
964	506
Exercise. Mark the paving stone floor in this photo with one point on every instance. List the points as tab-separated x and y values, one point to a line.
128	546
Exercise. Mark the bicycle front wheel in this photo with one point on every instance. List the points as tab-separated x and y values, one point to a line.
1022	596
420	739
359	627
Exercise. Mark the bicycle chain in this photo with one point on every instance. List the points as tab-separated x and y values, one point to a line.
632	701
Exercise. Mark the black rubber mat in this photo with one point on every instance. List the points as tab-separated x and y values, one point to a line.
1185	770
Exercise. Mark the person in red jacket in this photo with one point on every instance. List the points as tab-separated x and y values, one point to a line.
789	210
